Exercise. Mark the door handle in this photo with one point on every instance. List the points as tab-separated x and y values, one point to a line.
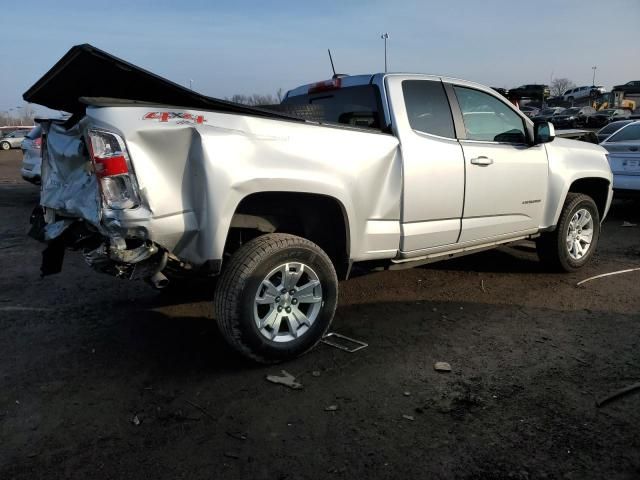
482	161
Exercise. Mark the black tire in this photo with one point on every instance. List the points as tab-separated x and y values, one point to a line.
5	146
238	285
552	246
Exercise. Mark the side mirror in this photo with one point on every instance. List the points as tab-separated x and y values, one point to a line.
543	132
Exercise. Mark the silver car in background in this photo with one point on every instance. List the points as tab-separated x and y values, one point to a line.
32	156
608	130
13	139
624	157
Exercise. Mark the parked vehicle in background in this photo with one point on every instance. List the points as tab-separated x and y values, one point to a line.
31	156
572	117
530	91
583	92
530	111
6	130
624	158
547	114
603	117
13	139
502	91
280	208
629	87
610	129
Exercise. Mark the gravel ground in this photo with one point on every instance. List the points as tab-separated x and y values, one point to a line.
101	378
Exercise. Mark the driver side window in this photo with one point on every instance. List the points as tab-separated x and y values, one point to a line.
488	119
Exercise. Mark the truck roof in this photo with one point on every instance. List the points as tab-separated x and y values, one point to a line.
369	78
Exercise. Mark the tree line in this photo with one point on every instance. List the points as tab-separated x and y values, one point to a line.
257	99
23	116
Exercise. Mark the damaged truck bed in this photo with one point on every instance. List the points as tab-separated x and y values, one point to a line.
151	180
188	162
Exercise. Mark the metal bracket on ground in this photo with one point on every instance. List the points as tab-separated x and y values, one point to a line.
343	342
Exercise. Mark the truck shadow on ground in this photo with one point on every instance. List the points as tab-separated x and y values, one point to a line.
167	345
518	258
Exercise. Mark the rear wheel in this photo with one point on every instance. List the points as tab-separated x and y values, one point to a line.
573	242
276	297
5	145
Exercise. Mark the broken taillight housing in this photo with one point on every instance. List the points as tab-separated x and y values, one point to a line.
113	168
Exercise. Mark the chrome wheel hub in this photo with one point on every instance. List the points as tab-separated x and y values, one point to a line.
580	234
288	302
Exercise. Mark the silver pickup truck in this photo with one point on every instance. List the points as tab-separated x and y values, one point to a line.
152	180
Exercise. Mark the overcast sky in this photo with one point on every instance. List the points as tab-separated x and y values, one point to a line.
229	47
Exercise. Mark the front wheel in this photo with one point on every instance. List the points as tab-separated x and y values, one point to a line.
5	145
276	297
573	242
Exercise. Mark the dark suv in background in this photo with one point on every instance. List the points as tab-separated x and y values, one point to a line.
603	117
530	91
573	117
630	87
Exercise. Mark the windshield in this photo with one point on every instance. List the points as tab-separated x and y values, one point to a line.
356	106
548	111
571	111
607	112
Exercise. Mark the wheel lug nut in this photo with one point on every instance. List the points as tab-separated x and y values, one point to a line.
277	299
292	291
288	309
283	291
279	309
294	301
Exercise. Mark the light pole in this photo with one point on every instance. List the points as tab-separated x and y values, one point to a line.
190	84
385	37
593	82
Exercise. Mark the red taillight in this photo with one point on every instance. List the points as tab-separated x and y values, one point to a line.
110	166
37	143
326	86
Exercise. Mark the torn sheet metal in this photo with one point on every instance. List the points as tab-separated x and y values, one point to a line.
76	75
68	185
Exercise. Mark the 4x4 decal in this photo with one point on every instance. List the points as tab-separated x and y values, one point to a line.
179	117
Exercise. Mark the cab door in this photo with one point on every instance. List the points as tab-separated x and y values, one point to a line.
433	164
506	177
